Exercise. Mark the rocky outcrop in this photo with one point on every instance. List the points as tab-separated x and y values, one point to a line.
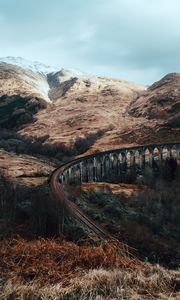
58	87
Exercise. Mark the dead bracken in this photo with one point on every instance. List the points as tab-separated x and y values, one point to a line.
52	261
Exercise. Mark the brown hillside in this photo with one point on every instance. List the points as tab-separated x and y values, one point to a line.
160	102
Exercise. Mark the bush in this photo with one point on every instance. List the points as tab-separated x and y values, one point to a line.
100	199
113	211
73	230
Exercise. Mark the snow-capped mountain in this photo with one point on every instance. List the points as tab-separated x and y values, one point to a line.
30	65
63	75
39	67
66	104
27	77
26	87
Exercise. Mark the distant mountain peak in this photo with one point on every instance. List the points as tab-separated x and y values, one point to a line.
167	79
34	66
39	67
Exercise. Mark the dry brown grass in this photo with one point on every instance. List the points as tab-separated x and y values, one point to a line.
99	284
52	261
54	270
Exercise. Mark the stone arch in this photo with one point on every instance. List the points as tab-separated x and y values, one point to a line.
147	154
165	152
178	150
107	164
132	152
66	176
90	170
77	173
128	159
122	157
114	159
114	166
137	158
99	168
122	162
156	152
174	151
72	175
83	169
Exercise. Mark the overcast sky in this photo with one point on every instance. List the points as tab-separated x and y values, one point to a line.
137	40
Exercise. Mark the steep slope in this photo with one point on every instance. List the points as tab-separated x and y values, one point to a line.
77	105
161	101
71	107
22	93
83	106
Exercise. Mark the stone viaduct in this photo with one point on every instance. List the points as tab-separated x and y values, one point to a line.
111	166
101	166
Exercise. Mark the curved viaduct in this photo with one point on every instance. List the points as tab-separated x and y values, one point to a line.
112	166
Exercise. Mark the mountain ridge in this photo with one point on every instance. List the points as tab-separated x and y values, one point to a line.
68	106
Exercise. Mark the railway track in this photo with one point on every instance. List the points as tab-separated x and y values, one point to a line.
71	208
57	177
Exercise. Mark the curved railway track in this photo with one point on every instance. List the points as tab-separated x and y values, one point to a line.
70	207
58	192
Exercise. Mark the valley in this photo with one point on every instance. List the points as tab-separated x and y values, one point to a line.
50	117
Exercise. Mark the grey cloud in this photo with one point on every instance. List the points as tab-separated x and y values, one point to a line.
134	39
